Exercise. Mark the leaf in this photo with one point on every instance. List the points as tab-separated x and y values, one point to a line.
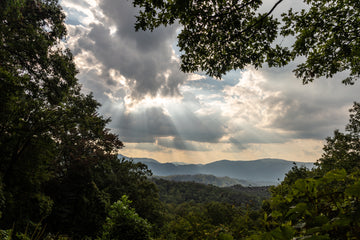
283	232
299	209
353	190
275	214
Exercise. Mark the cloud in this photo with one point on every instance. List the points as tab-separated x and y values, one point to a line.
310	111
143	126
271	106
308	120
157	109
143	59
180	144
182	125
80	12
149	147
198	126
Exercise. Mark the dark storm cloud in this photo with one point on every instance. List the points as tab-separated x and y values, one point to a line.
255	135
151	124
122	14
199	127
309	120
148	147
144	126
100	91
180	144
310	111
143	58
236	145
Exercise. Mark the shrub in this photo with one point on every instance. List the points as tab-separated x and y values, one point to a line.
124	223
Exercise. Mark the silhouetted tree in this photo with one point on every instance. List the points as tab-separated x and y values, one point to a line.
59	162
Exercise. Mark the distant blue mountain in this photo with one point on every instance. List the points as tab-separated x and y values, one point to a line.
267	171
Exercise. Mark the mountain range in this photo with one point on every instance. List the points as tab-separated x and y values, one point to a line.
267	171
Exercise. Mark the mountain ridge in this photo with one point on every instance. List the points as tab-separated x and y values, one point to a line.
265	171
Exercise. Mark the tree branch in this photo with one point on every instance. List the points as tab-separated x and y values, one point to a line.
263	17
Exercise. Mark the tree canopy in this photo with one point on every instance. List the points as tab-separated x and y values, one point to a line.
322	203
58	161
221	35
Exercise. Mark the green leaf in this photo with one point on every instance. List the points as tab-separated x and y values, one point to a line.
353	190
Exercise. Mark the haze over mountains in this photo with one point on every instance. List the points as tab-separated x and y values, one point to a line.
266	171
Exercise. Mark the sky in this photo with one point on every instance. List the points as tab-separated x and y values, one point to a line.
162	113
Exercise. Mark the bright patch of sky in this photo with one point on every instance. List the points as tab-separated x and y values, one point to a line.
162	113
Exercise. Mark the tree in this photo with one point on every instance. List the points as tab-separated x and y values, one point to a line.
59	164
2	198
343	149
322	203
124	177
221	35
325	207
48	128
124	223
36	77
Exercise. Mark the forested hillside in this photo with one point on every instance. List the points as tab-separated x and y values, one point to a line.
60	177
206	179
179	192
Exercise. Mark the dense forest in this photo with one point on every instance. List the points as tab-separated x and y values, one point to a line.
237	195
205	179
60	177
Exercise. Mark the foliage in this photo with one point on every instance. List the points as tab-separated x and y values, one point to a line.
296	173
197	211
179	192
218	36
124	223
59	166
94	187
121	177
322	203
6	234
205	179
316	208
79	208
193	221
32	232
2	197
59	162
326	34
343	149
36	78
213	220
